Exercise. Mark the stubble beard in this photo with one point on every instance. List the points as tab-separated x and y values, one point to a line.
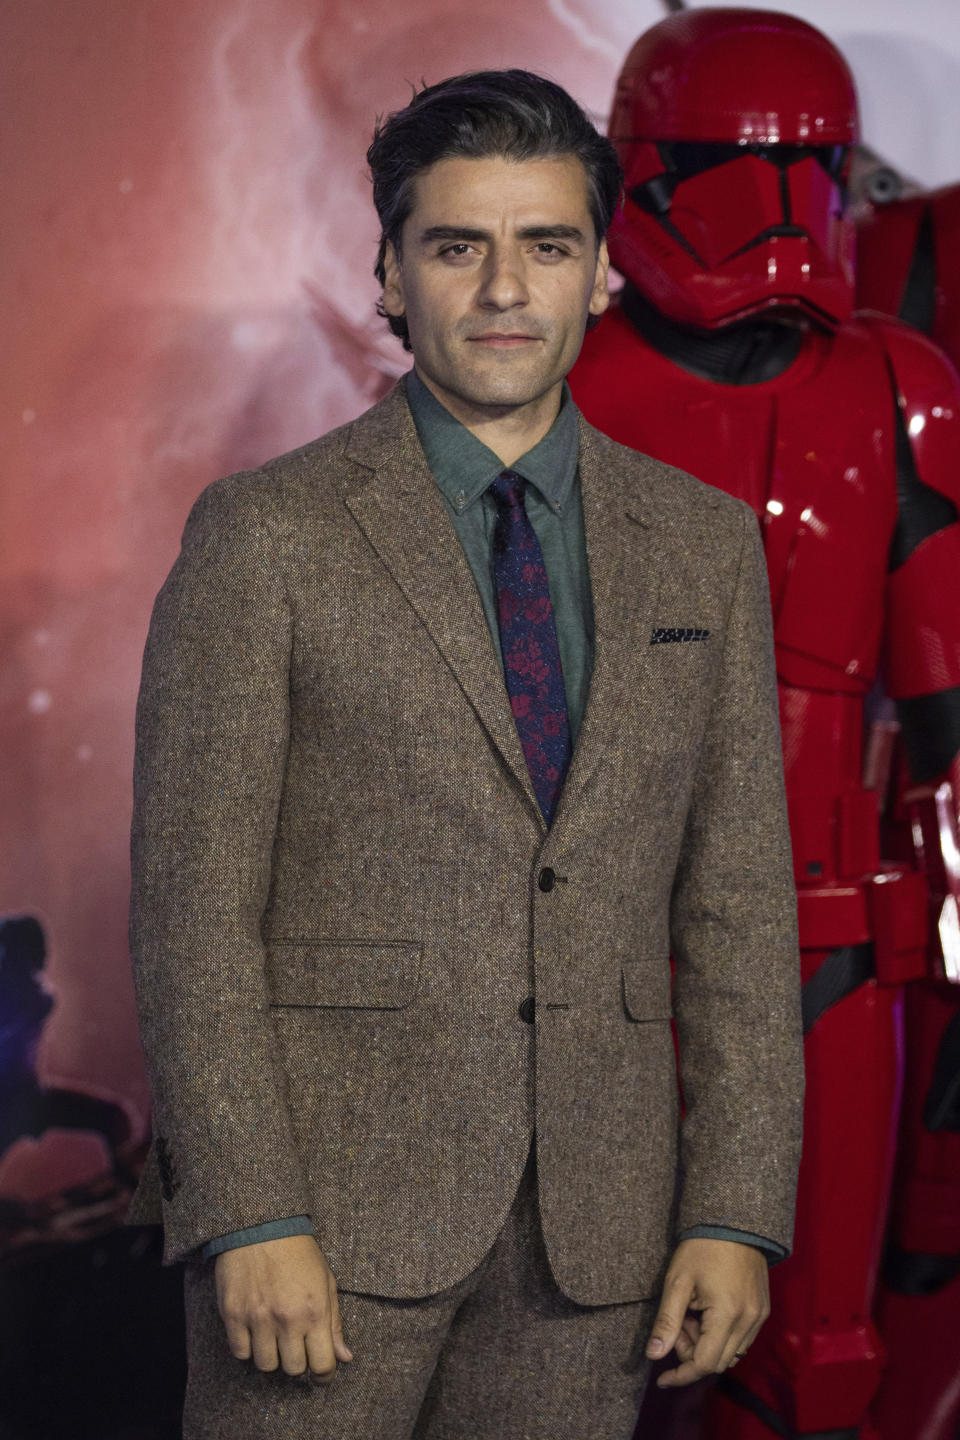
509	379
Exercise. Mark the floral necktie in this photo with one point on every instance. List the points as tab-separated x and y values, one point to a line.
528	639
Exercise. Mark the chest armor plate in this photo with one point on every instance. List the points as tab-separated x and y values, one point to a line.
812	452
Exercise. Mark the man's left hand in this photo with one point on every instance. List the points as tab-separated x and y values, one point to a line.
726	1284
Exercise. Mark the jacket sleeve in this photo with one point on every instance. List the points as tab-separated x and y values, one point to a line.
269	1230
734	939
211	745
769	1248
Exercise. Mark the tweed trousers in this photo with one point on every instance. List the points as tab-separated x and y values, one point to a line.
501	1355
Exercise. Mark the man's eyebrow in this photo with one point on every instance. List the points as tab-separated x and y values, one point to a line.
452	232
552	232
529	232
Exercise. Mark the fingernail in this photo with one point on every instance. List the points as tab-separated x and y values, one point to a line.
655	1348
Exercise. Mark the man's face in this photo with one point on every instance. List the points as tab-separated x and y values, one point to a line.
498	271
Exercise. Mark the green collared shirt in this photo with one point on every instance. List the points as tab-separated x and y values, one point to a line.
464	468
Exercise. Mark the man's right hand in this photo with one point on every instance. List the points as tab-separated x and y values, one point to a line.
278	1301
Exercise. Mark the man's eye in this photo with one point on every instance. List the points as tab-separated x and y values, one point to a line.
460	247
547	247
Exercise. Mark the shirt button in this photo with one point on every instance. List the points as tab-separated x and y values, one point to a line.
546	878
528	1010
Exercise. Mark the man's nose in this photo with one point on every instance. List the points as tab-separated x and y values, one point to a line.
504	285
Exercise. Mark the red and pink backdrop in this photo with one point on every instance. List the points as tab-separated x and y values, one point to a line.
186	260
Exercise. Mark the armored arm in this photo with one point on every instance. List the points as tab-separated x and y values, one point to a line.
922	669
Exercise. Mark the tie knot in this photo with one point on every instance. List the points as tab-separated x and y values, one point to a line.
508	489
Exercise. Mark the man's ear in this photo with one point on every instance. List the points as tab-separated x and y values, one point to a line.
600	294
393	282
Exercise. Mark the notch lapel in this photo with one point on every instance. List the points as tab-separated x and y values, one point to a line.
402	513
619	512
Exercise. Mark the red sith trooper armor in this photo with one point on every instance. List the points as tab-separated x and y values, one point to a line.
908	266
733	352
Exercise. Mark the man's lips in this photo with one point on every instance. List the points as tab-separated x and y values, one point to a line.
503	340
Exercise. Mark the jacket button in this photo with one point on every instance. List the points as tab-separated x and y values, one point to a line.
546	878
528	1010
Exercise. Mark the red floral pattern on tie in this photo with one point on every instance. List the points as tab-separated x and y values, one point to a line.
528	638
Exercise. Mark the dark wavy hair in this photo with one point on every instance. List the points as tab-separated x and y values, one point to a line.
482	113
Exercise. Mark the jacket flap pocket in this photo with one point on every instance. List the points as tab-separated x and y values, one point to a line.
361	974
646	990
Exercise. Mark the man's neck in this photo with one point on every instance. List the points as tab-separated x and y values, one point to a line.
509	431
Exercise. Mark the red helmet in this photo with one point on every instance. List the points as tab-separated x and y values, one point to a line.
734	129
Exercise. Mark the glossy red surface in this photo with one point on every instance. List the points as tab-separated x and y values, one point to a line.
929	401
746	78
813	453
923	623
886	242
735	73
818	1361
919	1397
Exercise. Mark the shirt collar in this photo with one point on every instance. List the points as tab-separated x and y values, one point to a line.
464	467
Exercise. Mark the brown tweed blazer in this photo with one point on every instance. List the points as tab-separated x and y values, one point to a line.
338	893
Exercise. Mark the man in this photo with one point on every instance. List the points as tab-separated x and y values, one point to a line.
451	724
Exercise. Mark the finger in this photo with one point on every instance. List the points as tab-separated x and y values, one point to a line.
684	1346
341	1349
727	1345
686	1374
320	1356
265	1353
733	1351
235	1325
758	1324
677	1294
293	1353
238	1337
741	1343
711	1343
717	1342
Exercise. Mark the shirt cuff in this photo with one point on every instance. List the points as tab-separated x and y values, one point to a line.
770	1248
269	1230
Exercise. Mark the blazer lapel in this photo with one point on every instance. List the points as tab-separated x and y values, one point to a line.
403	516
620	514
